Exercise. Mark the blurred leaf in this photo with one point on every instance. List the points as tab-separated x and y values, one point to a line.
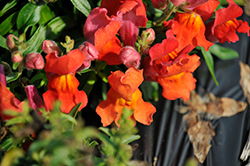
223	53
92	145
35	42
55	26
3	42
150	90
90	83
7	144
7	24
103	77
75	110
106	131
16	120
11	156
192	162
210	63
8	6
29	15
12	76
83	6
45	14
131	139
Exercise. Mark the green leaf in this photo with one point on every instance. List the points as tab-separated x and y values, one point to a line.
29	15
12	76
16	120
55	26
210	63
35	42
131	139
3	42
7	24
8	6
223	52
106	131
83	6
7	144
45	14
103	76
75	110
90	83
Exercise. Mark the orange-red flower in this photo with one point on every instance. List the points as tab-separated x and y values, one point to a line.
225	25
64	64
100	30
171	68
131	14
124	92
64	89
8	102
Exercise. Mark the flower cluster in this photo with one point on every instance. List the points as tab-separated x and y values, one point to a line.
112	36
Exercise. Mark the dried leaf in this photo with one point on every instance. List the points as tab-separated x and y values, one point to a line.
246	150
189	120
200	136
211	107
245	80
138	163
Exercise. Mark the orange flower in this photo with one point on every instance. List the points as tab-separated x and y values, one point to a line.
64	89
189	30
64	64
124	92
8	102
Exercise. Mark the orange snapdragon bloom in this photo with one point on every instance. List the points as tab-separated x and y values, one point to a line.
124	92
64	89
171	68
62	83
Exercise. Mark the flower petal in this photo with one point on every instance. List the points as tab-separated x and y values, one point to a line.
65	64
126	84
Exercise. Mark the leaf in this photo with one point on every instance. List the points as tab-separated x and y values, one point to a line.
55	26
211	107
35	42
7	144
106	131
223	53
83	6
29	15
45	14
200	135
131	139
245	80
210	63
7	24
8	6
16	120
12	76
3	42
138	163
12	156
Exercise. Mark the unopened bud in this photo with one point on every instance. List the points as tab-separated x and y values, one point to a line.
10	42
90	52
33	61
16	56
130	57
50	46
148	36
160	4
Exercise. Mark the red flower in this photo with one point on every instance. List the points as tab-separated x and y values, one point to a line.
188	4
189	30
131	14
124	92
225	25
64	89
65	64
8	102
171	68
100	30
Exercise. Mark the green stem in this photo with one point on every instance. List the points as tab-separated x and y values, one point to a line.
167	14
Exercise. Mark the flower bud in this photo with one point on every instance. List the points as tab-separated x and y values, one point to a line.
50	46
35	100
160	4
10	42
33	61
16	56
130	57
2	75
90	52
148	36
